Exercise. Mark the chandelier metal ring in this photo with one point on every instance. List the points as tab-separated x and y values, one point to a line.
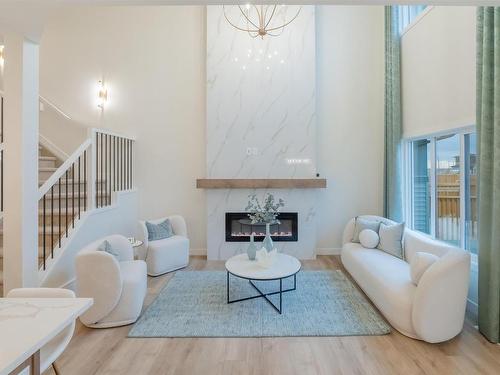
261	26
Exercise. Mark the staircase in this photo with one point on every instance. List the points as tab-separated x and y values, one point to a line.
47	165
61	210
69	189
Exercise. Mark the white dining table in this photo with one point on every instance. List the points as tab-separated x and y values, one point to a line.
27	324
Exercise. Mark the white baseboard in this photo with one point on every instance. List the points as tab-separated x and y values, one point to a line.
197	252
319	251
328	251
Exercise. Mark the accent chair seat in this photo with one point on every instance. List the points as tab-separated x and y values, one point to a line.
168	254
117	284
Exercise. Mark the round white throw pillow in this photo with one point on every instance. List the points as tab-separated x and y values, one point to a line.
419	264
369	238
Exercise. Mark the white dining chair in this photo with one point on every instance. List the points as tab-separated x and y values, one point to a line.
55	347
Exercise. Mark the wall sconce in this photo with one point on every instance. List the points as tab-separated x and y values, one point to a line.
102	95
1	55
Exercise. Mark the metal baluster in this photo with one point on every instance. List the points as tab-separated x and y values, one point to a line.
131	164
128	164
108	178
85	180
52	221
59	219
105	169
119	164
73	195
1	120
102	169
114	163
122	185
79	183
43	232
96	168
123	164
67	189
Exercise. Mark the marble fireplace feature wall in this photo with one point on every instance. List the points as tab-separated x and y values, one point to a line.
261	121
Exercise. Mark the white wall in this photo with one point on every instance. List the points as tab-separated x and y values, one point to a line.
153	62
60	135
438	57
350	110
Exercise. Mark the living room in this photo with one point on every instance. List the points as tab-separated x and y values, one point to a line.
249	188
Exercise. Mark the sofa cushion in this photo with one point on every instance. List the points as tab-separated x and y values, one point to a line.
415	242
391	239
361	224
369	238
386	280
159	231
106	246
419	264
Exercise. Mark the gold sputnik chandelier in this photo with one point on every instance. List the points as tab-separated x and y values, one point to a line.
261	20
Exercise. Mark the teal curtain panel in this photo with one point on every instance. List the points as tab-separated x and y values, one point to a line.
393	122
488	130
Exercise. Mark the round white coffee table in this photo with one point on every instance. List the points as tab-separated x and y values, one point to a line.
284	267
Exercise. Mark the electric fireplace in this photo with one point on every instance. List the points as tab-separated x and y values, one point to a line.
239	228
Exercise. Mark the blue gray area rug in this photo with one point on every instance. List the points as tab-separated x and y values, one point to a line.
193	304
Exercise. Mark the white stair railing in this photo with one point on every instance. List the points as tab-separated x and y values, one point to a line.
87	180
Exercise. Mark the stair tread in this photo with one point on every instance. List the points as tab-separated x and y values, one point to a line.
47	169
47	158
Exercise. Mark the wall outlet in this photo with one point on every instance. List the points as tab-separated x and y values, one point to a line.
252	151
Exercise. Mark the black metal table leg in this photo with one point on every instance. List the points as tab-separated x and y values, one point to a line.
262	294
281	292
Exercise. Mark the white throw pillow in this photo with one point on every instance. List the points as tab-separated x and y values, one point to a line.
369	238
419	264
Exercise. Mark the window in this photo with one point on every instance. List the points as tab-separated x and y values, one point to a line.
406	15
441	191
448	189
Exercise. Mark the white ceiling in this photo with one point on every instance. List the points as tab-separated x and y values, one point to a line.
28	16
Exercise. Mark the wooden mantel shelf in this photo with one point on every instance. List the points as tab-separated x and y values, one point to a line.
261	183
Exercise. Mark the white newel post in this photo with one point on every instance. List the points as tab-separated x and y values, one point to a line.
20	227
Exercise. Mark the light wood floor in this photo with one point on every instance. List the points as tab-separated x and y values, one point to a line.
109	351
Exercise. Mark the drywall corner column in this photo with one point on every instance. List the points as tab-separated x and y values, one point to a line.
20	228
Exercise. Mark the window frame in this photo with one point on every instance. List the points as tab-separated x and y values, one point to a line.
408	179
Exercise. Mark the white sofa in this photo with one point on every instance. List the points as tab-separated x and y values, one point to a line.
169	254
431	311
118	286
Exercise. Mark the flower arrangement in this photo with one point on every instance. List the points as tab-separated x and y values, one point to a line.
265	212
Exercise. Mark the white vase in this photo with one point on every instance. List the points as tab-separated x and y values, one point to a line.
268	241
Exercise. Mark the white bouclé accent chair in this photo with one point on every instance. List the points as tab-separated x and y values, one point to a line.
117	285
55	347
434	309
168	254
